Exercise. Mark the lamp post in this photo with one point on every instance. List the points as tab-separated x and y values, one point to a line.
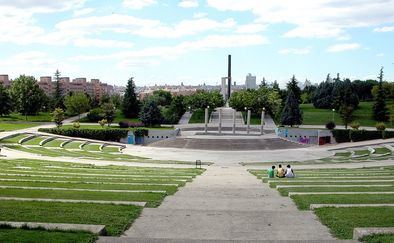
262	120
206	119
333	115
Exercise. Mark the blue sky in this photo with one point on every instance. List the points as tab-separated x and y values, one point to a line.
170	41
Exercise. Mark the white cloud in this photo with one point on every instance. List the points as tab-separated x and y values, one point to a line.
200	15
42	6
126	24
344	47
250	28
384	29
295	51
138	4
151	54
188	3
83	11
380	54
318	18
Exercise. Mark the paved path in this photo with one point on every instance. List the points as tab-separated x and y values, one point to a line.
185	118
227	203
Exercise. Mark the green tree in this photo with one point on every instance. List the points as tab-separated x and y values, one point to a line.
117	100
58	116
109	112
346	113
77	103
57	97
380	111
292	114
161	97
150	114
5	101
131	104
27	96
175	110
293	86
323	95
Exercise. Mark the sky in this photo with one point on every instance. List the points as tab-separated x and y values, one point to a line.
173	41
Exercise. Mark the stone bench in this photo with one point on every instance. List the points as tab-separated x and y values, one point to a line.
95	229
361	232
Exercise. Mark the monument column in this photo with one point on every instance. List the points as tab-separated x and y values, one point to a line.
248	122
220	121
262	121
206	119
234	113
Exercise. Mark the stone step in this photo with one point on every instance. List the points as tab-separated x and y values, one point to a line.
105	239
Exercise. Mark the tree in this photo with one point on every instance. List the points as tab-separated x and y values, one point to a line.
117	100
346	113
323	95
380	111
174	112
130	106
292	114
275	85
161	97
77	103
58	99
263	83
58	116
5	101
150	114
109	112
27	96
293	86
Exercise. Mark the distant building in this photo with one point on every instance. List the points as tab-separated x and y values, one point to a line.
5	80
250	82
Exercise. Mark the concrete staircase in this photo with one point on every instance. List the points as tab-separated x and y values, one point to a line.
227	117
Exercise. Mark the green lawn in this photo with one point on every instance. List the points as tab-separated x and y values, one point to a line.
118	118
16	126
38	235
88	126
116	217
41	117
378	238
342	221
303	201
255	119
285	191
198	116
363	115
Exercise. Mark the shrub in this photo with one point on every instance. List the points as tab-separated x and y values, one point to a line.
341	136
95	115
136	124
102	123
380	126
140	132
123	124
110	134
330	125
76	125
363	135
355	125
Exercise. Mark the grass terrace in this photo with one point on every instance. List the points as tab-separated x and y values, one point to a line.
9	126
34	180
342	186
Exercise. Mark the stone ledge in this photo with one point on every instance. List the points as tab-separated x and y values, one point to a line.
361	232
95	229
314	206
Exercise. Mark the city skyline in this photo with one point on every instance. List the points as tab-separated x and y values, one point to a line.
169	42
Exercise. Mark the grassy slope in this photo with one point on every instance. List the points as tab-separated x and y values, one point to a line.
198	116
363	115
378	238
16	126
342	221
44	236
115	217
41	117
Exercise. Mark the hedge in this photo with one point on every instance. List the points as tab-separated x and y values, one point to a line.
98	134
342	136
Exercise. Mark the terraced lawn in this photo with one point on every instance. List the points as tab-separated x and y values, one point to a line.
378	238
37	179
16	126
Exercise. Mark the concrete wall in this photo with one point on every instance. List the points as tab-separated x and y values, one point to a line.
153	136
305	136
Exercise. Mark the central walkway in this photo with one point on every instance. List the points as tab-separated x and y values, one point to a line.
225	203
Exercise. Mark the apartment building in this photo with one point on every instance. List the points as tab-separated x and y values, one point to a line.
5	80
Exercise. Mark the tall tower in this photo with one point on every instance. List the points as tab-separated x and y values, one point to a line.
229	77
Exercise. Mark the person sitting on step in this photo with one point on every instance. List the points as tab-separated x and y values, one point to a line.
271	172
289	172
280	173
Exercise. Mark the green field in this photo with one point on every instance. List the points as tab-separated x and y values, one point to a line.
378	238
198	116
35	179
16	126
41	117
363	115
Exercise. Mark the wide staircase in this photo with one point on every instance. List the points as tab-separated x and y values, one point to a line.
227	117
